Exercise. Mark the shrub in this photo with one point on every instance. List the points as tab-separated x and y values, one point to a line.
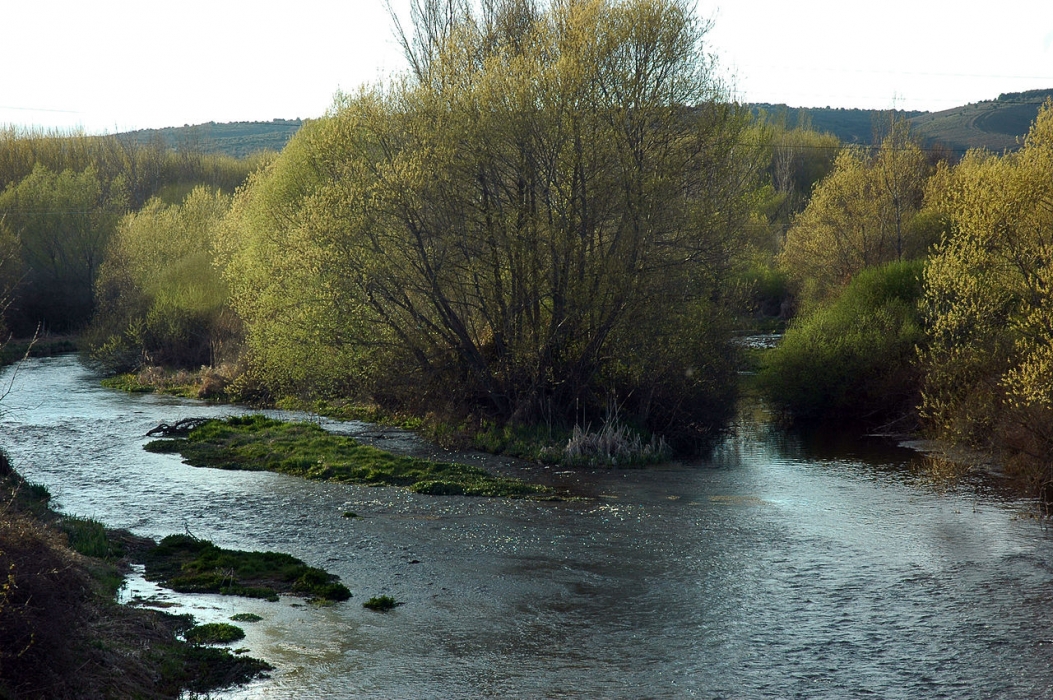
214	633
853	360
381	603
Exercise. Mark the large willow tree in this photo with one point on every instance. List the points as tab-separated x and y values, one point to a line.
535	220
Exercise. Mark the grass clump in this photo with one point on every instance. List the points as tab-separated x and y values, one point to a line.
614	444
214	633
246	617
209	383
381	603
89	537
127	382
306	450
190	565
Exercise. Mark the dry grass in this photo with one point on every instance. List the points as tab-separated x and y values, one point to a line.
614	444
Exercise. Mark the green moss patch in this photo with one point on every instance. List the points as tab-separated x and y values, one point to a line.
246	617
306	450
201	669
190	565
214	633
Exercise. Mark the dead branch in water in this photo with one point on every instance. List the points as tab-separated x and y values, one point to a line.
180	428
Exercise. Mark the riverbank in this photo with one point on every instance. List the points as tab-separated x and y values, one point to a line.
63	635
46	345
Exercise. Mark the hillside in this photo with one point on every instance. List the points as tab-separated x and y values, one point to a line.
849	125
997	125
238	139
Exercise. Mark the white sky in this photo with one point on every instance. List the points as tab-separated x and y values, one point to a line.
116	65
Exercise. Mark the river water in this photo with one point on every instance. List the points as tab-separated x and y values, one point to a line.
771	570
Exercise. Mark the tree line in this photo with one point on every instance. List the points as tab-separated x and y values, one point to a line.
926	298
62	196
556	215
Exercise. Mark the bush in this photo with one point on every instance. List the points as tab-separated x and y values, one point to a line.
214	633
853	360
381	603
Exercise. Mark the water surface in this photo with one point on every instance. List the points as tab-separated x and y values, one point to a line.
770	570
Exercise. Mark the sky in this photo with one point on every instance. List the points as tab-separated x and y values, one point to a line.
107	66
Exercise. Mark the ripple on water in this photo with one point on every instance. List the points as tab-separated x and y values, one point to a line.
770	572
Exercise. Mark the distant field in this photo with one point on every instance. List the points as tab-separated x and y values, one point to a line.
238	139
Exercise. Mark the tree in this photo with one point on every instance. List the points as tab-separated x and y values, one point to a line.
989	302
538	215
63	222
861	215
160	298
10	274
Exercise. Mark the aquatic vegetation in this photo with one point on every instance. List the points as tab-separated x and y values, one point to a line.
306	450
62	633
89	537
214	633
246	617
190	565
381	603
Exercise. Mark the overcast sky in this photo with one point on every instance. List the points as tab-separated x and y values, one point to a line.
116	65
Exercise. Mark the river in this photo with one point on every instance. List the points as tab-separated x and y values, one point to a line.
770	570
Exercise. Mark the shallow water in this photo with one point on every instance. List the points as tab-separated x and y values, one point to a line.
769	570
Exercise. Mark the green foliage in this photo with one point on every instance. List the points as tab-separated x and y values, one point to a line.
61	196
508	229
852	360
381	603
798	159
190	565
161	300
245	617
989	300
214	633
89	537
858	217
306	450
62	221
201	669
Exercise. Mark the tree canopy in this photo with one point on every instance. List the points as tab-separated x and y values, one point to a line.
538	216
989	300
864	214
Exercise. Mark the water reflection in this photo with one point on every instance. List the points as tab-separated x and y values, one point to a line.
768	571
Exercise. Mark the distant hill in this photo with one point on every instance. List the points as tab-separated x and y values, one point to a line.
849	125
996	125
238	139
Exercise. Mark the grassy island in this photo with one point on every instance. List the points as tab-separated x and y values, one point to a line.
190	565
306	450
